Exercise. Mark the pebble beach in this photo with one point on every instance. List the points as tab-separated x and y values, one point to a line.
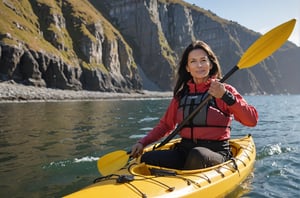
12	92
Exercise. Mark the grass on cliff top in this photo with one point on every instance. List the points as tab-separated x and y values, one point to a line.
19	24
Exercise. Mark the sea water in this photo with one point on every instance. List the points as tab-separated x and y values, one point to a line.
50	149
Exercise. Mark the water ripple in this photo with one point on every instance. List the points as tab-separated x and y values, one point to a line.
148	119
64	163
272	149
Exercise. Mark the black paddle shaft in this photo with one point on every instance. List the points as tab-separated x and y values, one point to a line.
194	112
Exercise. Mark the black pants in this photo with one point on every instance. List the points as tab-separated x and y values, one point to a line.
189	154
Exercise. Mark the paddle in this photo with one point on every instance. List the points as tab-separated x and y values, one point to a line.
112	162
259	50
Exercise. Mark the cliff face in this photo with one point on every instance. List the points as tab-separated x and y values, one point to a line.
64	44
159	31
121	45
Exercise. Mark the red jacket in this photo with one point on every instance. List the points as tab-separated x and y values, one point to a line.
240	110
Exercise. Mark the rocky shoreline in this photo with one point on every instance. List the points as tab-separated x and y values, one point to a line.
12	92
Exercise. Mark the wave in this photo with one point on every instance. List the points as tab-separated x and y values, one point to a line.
148	119
86	159
272	149
64	163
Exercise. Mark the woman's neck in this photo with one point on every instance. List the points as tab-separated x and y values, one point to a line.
200	80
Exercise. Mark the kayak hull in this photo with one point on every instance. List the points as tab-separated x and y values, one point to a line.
140	180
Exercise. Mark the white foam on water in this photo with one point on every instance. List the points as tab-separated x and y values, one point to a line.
65	163
135	136
146	129
275	149
148	119
86	159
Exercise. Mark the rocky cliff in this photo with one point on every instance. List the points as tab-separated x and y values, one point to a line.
126	45
64	44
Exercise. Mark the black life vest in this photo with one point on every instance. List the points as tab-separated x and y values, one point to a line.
210	116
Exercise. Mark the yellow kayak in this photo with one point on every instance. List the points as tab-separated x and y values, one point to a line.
141	180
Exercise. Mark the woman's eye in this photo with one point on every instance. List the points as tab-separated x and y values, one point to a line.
203	61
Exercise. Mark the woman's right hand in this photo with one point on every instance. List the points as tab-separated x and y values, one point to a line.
137	150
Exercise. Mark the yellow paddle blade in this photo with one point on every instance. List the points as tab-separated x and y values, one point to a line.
266	44
112	162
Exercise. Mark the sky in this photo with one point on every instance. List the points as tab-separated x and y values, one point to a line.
257	15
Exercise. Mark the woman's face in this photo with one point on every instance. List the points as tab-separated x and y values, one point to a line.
198	65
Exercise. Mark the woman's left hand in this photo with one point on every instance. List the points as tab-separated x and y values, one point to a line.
216	89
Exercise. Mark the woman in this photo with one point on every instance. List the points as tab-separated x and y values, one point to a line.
205	138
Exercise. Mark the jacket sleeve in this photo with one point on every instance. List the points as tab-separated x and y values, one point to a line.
166	124
243	112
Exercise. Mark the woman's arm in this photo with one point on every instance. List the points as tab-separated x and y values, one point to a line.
241	110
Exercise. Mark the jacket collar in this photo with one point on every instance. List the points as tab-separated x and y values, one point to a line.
201	87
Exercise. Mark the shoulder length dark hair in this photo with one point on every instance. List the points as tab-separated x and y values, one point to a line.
183	76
